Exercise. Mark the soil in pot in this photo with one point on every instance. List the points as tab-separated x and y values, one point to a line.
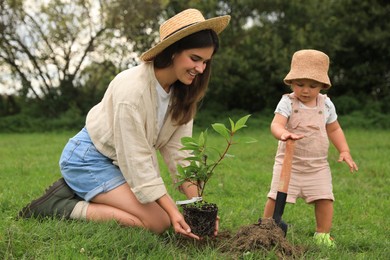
201	217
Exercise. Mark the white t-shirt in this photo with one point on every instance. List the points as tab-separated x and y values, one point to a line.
285	108
162	104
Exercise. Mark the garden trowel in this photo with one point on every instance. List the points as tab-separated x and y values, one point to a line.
283	185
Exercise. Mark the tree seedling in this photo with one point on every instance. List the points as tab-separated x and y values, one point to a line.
201	165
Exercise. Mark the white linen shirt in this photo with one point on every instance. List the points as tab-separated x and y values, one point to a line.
123	127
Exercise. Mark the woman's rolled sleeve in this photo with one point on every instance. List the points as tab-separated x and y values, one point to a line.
150	191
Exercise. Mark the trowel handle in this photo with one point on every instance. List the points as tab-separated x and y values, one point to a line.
286	166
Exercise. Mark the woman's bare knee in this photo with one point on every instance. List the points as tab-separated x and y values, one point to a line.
159	224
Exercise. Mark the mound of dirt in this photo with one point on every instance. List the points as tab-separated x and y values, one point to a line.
262	236
265	235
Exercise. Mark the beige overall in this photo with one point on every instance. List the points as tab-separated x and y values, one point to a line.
311	178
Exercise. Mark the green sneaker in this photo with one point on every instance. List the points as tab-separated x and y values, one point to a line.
58	201
324	239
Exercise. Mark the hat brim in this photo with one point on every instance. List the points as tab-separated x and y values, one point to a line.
217	24
292	76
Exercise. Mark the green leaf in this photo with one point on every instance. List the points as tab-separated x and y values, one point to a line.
180	169
241	123
187	139
193	158
202	138
222	130
231	125
228	155
247	140
190	147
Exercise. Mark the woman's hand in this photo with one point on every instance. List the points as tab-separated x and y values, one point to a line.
177	219
185	230
181	227
216	229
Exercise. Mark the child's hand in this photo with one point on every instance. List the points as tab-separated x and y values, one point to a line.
346	157
288	135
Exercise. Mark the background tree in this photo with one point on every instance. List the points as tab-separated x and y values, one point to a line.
60	55
361	55
46	46
51	48
264	35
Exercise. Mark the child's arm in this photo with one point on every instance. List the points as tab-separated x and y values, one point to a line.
337	137
279	131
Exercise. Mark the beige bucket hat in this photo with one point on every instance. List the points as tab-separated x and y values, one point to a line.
181	25
309	64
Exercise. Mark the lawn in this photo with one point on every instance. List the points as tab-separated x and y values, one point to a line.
29	163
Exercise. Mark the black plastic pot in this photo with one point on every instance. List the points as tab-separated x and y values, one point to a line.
201	217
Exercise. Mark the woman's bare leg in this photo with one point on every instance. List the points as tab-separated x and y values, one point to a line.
120	204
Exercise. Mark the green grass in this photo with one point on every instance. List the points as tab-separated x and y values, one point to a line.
29	163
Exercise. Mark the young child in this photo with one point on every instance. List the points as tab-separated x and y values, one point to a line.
310	118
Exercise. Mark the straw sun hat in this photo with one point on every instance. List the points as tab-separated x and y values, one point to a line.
181	25
309	64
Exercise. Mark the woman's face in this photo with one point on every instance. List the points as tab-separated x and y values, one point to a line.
306	90
189	63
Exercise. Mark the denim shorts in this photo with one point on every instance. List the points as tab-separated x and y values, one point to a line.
86	170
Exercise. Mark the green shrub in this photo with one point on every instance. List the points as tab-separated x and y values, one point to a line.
365	120
346	104
73	119
22	123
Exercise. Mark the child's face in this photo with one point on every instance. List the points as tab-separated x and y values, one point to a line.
306	90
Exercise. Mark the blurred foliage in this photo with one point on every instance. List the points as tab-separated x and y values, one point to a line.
59	56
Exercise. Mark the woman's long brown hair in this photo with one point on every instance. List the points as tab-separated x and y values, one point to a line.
186	98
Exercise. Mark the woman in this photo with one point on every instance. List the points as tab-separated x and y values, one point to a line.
110	168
